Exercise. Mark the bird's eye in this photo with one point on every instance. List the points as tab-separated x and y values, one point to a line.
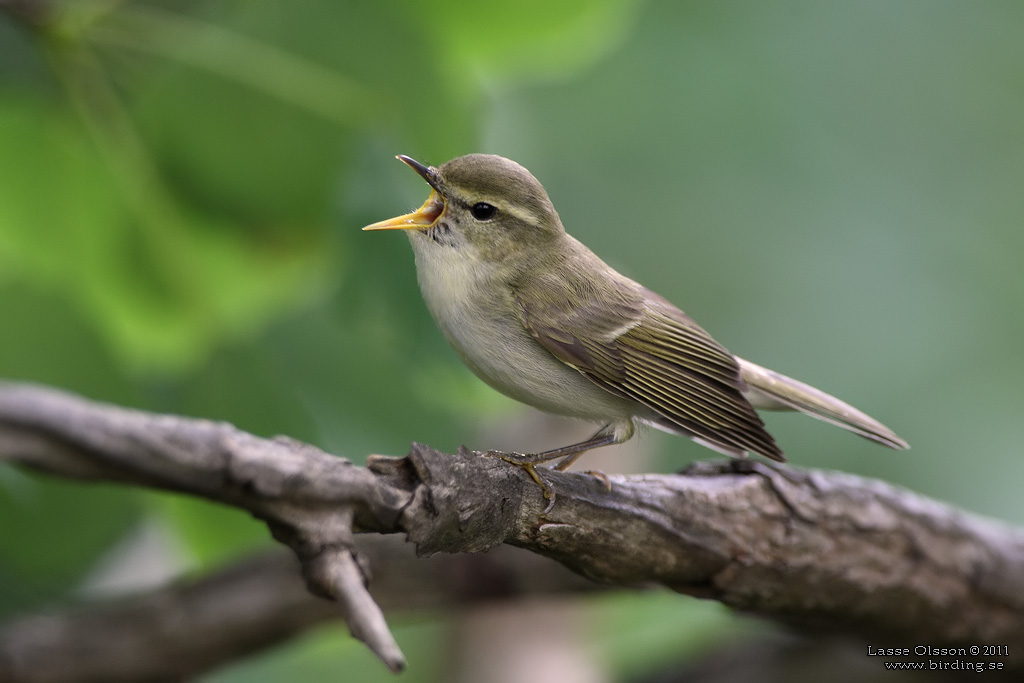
482	211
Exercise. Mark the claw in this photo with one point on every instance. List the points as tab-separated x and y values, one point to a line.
603	477
529	465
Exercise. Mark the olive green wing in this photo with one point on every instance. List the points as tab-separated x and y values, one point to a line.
640	346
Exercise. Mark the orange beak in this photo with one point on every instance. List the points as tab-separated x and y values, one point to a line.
422	218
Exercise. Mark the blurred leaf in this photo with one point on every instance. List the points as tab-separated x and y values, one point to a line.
521	38
216	49
49	341
161	284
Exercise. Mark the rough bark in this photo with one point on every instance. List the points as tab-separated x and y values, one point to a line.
806	547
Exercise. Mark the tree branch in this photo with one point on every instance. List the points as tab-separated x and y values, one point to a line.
180	631
806	547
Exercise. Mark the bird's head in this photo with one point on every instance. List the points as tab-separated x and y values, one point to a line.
480	203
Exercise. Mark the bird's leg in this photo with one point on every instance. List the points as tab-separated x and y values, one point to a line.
606	436
572	453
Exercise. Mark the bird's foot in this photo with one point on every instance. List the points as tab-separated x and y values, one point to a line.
528	463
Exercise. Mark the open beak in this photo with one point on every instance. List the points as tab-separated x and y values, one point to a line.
424	217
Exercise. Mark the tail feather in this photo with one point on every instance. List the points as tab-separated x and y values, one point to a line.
769	390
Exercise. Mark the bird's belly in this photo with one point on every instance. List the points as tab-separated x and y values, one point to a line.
497	348
517	366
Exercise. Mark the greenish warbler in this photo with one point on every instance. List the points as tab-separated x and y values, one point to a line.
539	317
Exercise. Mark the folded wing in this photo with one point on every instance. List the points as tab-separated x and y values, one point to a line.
636	344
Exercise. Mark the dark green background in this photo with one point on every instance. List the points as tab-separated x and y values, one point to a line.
834	190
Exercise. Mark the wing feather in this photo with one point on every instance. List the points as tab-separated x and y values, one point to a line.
634	343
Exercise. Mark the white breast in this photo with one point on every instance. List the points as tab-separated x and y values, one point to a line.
473	308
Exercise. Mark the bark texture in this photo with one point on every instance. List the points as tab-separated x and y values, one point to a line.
811	548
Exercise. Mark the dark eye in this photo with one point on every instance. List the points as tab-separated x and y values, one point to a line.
482	211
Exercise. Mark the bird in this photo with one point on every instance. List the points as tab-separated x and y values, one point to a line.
541	318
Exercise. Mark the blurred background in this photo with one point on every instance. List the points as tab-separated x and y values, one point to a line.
833	190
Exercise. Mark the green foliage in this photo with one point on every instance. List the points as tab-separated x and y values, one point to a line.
162	281
528	39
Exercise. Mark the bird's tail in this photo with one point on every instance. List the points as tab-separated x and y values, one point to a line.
769	390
